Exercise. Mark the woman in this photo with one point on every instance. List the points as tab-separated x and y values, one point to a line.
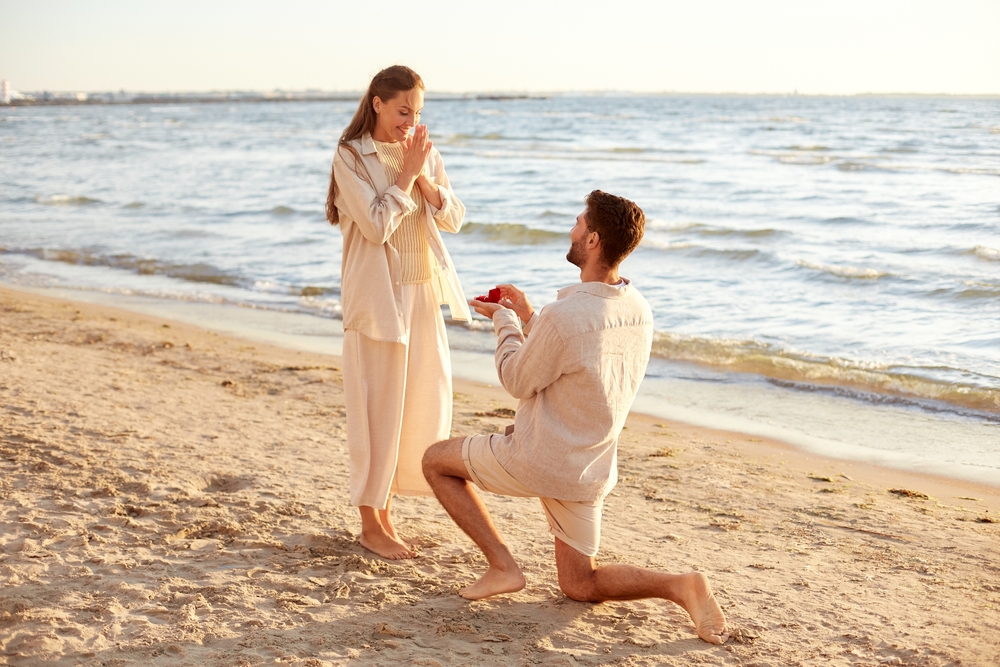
391	197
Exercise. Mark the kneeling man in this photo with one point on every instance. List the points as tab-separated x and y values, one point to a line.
576	367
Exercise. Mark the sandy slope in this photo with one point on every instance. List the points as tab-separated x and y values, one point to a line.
175	497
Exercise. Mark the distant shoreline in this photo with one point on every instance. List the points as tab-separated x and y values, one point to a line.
117	99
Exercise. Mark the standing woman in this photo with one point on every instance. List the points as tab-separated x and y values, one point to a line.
391	197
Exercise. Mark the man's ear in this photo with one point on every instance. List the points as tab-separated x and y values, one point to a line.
593	239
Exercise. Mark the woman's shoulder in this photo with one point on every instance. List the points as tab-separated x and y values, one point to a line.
358	147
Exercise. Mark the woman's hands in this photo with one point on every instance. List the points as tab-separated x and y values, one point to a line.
416	148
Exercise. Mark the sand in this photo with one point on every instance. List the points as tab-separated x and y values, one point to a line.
172	496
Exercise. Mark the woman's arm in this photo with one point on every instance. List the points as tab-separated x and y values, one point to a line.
377	217
448	211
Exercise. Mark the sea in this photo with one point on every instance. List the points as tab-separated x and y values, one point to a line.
822	270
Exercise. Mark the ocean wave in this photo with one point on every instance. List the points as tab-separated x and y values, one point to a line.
748	356
512	233
971	170
781	119
197	272
461	137
970	289
989	254
817	147
795	155
701	229
844	271
733	254
665	245
589	156
66	200
282	210
314	290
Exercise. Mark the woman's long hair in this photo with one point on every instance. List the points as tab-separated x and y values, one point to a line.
385	85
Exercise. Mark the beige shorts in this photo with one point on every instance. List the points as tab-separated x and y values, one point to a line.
578	524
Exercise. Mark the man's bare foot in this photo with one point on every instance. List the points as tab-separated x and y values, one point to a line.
705	612
380	543
494	582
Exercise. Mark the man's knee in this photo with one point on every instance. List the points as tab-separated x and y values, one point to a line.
580	589
577	572
438	457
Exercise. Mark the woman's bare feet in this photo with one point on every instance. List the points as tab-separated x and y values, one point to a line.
380	543
494	582
383	518
379	537
698	601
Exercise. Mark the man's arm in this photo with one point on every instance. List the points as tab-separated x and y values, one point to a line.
526	366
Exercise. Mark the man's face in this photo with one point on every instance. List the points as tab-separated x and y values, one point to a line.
577	254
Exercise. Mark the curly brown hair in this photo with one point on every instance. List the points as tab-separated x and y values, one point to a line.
385	85
619	222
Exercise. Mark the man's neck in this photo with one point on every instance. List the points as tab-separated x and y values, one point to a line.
600	274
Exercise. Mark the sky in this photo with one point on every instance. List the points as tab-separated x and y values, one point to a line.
698	46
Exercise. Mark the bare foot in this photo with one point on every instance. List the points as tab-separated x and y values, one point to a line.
705	612
494	582
380	543
391	532
383	517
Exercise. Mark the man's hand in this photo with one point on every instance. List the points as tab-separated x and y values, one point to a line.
485	308
516	300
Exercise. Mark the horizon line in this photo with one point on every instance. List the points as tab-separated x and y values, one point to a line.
497	92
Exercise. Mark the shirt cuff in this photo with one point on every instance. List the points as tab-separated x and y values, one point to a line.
526	329
445	203
505	317
404	200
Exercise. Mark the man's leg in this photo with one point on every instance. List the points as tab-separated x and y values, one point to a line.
582	579
446	473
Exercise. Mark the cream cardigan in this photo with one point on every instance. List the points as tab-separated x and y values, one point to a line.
371	271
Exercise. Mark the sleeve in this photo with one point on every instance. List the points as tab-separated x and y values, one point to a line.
526	366
450	216
377	217
530	323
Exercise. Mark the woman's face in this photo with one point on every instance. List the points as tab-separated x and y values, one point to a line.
397	116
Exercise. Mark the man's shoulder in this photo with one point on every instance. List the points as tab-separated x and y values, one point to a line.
596	307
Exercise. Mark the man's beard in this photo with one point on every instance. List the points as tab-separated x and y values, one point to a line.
576	255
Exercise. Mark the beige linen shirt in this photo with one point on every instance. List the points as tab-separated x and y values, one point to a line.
576	376
371	282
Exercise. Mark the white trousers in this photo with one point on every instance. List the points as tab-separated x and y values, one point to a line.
398	402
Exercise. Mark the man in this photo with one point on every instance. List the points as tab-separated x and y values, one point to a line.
576	367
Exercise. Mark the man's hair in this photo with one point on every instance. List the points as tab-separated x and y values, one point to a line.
619	222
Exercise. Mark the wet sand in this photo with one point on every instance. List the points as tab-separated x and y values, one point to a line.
173	496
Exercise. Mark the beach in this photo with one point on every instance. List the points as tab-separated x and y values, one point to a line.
174	496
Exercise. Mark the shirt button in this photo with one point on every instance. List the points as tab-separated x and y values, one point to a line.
397	282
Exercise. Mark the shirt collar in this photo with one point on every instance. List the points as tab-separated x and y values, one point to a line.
367	144
597	289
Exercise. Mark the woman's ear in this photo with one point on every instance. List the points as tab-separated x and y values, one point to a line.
377	104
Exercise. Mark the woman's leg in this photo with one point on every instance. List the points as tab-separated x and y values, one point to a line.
427	401
374	376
